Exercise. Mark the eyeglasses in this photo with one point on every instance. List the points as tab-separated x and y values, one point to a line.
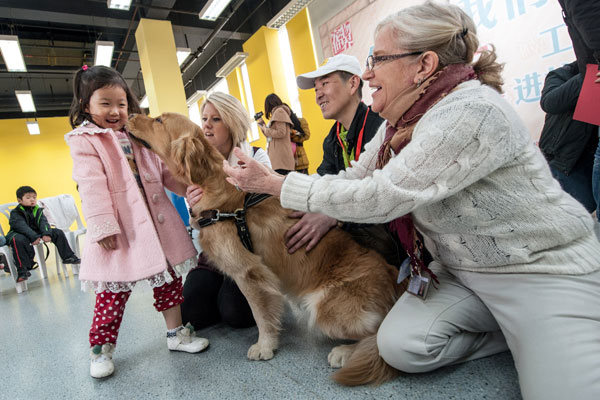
374	60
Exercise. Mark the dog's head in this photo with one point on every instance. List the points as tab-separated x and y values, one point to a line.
180	143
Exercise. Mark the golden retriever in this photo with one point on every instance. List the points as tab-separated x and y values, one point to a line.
345	289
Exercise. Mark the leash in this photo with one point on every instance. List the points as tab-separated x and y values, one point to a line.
210	217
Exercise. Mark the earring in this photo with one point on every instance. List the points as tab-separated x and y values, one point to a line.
419	82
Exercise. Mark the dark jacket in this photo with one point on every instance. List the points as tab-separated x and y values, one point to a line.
28	221
581	18
333	159
565	141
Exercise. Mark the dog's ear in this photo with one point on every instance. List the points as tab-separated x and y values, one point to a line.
186	151
198	131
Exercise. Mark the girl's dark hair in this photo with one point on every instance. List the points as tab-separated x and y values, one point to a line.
272	101
87	81
296	122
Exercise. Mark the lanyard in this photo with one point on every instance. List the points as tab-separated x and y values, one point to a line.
360	136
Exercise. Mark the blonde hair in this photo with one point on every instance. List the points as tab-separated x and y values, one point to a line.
233	114
449	32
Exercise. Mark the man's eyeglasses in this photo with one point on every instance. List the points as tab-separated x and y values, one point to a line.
374	60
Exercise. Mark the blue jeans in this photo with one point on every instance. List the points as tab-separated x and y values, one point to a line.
596	179
579	182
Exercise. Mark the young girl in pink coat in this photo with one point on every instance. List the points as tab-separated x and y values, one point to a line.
134	232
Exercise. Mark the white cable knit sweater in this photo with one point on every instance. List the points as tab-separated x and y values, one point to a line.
478	189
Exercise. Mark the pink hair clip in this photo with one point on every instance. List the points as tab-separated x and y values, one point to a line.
85	68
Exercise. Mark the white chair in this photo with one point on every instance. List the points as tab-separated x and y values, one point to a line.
7	251
62	212
5	210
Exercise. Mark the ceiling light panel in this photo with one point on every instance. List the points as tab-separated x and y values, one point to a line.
237	60
287	13
119	4
198	94
213	9
103	53
182	54
33	128
11	52
25	100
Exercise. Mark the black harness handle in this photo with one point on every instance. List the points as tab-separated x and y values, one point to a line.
210	217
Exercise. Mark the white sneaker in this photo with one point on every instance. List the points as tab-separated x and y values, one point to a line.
186	341
101	364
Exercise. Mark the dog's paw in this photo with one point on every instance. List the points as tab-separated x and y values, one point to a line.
258	352
339	355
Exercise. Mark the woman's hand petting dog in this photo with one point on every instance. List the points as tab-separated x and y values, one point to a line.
308	231
193	194
251	176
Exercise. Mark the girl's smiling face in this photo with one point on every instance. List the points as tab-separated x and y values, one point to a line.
108	107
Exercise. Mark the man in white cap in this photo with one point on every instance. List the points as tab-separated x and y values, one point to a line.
338	92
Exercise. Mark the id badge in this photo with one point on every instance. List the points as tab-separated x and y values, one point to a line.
404	271
418	286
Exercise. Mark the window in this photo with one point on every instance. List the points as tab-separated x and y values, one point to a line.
246	80
288	70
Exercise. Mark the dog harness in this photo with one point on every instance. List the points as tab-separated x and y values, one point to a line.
209	217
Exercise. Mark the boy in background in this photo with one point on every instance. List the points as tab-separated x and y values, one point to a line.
29	227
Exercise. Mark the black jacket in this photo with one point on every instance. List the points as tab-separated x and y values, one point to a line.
565	141
581	18
333	159
28	221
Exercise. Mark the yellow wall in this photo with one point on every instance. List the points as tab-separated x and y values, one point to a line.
304	58
265	70
158	59
236	86
40	161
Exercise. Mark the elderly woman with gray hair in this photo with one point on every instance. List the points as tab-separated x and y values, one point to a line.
514	259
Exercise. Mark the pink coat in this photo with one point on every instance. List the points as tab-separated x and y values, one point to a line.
149	231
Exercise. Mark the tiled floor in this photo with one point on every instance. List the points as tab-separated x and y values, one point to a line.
44	355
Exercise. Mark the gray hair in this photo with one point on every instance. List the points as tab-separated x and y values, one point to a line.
233	114
446	30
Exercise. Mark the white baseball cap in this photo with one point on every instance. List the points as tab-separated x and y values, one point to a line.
341	62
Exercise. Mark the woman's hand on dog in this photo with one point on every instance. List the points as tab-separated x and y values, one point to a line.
108	243
193	194
308	231
251	176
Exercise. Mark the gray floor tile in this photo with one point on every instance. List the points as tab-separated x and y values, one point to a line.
44	352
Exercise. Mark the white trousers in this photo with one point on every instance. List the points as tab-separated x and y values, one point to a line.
550	323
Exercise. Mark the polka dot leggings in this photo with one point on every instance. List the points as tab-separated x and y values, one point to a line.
108	312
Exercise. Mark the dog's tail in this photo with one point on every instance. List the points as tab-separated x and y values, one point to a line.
365	366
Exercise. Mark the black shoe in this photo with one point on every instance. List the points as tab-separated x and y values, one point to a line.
72	260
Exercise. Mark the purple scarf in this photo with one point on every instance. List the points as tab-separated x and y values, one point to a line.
402	115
